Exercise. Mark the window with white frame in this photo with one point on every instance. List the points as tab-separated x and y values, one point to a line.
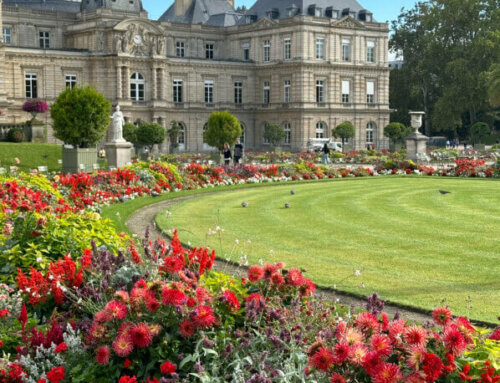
267	93
177	90
370	92
246	51
287	48
288	133
346	50
181	138
70	81
370	128
31	85
179	49
370	51
238	92
44	40
286	91
320	48
320	91
320	130
7	35
209	91
267	50
209	51
346	91
137	85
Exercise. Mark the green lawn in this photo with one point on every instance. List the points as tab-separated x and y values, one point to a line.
30	155
412	244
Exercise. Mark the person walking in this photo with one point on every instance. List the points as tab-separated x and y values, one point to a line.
227	154
326	152
238	151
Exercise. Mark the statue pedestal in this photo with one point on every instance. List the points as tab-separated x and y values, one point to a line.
118	154
416	146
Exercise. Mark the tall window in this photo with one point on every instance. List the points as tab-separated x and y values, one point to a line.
370	51
267	93
209	91
179	45
286	91
346	50
31	86
45	40
177	90
7	35
320	91
287	49
242	137
137	83
288	133
369	135
320	48
246	51
238	92
320	130
267	51
265	140
181	138
370	92
209	51
346	91
70	81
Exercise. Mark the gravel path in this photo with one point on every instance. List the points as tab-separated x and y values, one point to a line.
141	219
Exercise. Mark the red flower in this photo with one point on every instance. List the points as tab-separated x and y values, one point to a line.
231	300
454	340
123	345
415	335
341	351
495	335
202	316
23	317
4	313
60	348
381	344
387	373
173	297
127	363
336	378
322	360
367	322
168	368
255	273
442	315
433	367
463	375
128	379
186	328
56	375
371	362
172	264
294	277
117	310
141	335
277	279
269	270
103	355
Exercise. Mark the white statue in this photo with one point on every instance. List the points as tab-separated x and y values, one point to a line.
118	122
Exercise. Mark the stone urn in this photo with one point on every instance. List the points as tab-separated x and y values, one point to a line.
416	143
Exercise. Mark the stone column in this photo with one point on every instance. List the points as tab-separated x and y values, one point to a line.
160	85
119	91
154	85
126	82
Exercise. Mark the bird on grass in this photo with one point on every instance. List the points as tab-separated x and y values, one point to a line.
444	192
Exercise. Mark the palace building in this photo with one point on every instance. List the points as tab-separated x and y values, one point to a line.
307	65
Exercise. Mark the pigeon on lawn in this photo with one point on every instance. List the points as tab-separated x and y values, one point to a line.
444	192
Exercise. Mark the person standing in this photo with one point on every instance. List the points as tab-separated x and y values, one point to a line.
238	151
326	152
227	154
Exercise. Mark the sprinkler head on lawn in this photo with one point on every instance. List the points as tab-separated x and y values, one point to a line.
287	205
244	204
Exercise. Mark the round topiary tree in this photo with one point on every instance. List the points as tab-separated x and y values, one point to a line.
130	132
479	131
173	135
150	134
81	116
345	131
395	131
15	135
222	127
274	134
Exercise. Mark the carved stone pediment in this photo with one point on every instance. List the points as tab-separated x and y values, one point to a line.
139	37
349	23
264	23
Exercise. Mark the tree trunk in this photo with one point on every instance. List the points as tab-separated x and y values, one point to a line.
472	113
427	117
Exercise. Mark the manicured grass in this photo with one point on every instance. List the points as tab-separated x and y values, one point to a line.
30	155
412	244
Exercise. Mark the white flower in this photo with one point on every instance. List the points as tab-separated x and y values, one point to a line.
357	273
236	241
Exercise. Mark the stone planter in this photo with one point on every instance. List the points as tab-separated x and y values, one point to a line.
79	160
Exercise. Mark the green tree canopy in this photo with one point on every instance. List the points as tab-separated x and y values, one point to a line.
479	131
130	132
345	131
494	88
222	127
274	134
81	116
395	131
149	134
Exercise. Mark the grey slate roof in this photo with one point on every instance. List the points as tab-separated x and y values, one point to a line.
210	12
261	7
46	5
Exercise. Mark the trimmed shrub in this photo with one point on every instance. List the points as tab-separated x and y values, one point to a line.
15	135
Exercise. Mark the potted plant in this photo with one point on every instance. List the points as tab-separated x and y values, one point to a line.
81	117
150	134
35	128
274	134
173	135
222	127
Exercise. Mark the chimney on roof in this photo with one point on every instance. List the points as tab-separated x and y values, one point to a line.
181	7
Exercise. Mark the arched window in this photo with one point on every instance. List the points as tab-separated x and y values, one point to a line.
137	85
370	134
181	139
320	130
242	138
288	133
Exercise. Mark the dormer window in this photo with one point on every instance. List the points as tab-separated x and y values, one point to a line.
273	13
314	10
249	19
364	15
292	11
332	13
348	12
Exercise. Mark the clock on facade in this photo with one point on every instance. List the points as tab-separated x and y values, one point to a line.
137	39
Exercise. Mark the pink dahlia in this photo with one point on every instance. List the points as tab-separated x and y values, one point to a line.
116	309
336	378
123	346
173	297
442	315
140	335
203	316
454	341
103	355
381	344
341	352
294	277
415	335
387	373
358	353
322	360
255	273
186	328
367	322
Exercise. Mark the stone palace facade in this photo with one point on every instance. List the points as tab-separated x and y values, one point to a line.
307	65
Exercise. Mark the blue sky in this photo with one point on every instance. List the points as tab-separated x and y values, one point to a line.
383	10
